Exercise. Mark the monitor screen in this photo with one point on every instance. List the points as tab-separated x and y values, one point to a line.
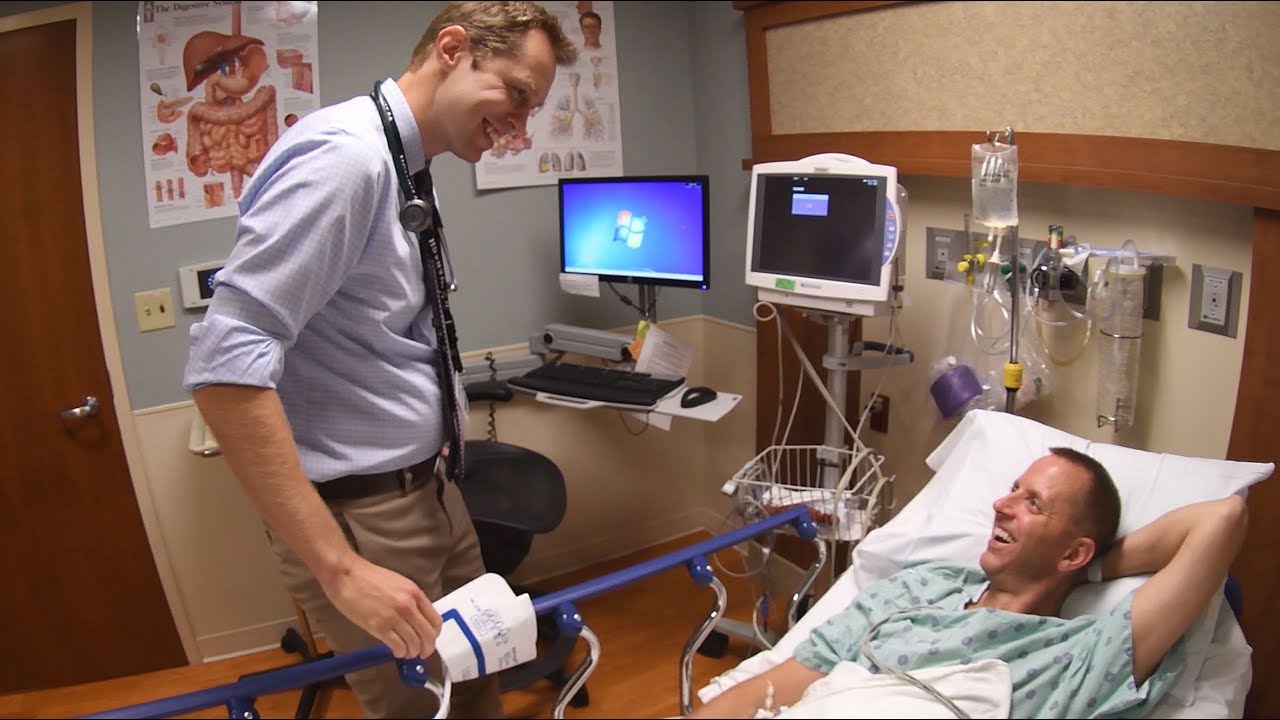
820	226
650	230
824	232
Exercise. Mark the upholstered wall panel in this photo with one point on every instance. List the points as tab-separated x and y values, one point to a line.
1193	71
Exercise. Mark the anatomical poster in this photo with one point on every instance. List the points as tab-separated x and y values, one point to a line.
219	82
578	132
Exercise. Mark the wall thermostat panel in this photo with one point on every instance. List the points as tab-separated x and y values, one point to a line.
196	282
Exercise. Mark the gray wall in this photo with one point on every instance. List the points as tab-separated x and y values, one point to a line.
682	77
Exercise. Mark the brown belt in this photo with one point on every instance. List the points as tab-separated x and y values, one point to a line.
351	487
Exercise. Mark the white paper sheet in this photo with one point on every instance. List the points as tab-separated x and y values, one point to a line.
501	623
578	284
666	355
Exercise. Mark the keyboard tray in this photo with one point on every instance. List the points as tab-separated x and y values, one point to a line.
614	386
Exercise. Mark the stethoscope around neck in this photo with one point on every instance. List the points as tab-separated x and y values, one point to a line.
416	214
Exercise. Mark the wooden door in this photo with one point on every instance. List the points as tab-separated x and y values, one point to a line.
1253	438
81	599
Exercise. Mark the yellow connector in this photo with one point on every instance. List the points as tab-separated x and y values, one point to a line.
1012	376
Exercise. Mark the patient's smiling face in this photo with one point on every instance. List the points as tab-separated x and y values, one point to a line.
1034	523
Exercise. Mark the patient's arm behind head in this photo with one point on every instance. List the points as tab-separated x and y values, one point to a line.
1190	550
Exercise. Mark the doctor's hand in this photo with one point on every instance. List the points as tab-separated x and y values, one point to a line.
388	606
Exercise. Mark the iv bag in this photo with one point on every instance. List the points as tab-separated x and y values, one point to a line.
995	183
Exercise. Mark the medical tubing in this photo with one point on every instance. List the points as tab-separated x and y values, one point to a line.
301	674
890	348
445	694
901	674
1033	298
1033	294
767	549
978	300
860	449
795	405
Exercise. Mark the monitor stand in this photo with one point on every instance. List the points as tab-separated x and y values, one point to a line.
841	358
648	300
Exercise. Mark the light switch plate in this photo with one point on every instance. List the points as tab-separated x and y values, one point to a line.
154	309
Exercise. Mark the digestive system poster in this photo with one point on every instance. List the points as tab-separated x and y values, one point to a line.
578	133
220	81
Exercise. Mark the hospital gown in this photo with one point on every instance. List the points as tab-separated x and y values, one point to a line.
1060	668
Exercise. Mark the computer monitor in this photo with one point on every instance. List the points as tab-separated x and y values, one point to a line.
824	233
650	230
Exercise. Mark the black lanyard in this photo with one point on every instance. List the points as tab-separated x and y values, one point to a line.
430	238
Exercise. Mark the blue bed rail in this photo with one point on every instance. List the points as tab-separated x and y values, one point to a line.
239	696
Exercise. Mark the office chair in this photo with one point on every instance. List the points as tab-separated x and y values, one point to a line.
513	493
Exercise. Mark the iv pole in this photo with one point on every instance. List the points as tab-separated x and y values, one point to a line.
1013	369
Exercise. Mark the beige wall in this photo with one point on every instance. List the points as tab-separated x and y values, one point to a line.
1197	71
625	492
1188	377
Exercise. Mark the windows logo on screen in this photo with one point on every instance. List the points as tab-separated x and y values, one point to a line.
629	229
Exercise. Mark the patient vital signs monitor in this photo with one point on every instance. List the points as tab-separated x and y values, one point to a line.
825	233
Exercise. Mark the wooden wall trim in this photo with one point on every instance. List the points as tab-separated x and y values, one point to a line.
1253	438
1221	173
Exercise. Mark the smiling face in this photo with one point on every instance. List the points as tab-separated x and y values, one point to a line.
1035	535
484	99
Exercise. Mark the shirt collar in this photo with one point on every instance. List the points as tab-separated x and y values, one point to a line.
410	136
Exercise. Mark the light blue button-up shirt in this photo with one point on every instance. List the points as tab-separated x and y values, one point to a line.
323	296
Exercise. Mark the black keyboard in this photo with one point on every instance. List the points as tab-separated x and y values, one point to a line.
594	382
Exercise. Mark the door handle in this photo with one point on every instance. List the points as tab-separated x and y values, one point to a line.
88	409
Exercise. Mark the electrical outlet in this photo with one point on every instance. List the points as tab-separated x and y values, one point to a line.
154	309
1215	300
878	419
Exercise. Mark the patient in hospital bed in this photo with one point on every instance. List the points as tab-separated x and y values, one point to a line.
1001	622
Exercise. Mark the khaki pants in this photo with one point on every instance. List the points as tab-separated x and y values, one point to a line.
409	532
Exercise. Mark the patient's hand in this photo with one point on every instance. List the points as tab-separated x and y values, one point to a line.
789	681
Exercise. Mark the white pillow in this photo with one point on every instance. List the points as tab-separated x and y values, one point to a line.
950	518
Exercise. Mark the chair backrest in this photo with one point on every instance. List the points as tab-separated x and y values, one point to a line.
512	493
513	486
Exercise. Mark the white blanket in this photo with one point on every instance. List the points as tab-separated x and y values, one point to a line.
981	689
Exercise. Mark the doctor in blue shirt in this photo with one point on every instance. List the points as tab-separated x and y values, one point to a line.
316	364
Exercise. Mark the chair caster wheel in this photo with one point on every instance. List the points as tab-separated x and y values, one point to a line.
292	642
715	645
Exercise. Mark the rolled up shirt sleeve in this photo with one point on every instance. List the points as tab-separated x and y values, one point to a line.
305	220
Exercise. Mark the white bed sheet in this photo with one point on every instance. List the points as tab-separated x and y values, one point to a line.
1220	688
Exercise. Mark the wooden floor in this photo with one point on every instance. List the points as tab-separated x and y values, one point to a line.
642	629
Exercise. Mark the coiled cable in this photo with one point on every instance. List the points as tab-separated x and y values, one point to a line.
901	674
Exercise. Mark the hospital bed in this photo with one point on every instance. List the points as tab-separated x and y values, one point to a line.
950	519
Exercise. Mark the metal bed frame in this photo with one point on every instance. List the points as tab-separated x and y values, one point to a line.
239	696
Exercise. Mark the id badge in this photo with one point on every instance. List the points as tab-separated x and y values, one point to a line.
464	407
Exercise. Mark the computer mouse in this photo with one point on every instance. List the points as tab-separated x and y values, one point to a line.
697	395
